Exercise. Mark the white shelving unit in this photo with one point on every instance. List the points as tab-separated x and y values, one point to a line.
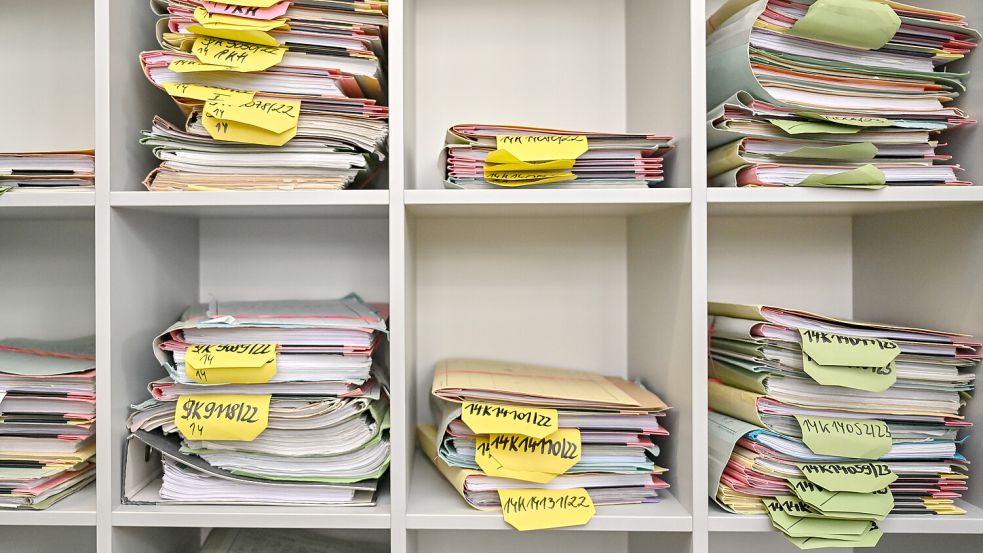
611	281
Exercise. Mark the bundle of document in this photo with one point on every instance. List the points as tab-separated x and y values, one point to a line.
47	431
278	95
271	403
835	420
601	431
494	156
46	170
253	540
834	93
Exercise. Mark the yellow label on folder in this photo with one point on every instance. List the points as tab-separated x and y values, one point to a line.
219	21
523	166
528	178
539	459
540	147
540	509
242	35
222	416
208	93
863	439
486	418
231	363
849	477
242	56
271	123
253	3
849	361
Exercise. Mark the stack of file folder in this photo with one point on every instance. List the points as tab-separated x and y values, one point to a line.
495	156
820	418
612	421
271	403
46	170
287	95
833	93
47	431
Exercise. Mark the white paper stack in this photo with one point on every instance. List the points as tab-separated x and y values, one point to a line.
47	430
326	434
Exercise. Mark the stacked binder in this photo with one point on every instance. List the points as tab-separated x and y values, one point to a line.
493	156
47	431
848	93
47	170
277	95
608	424
820	418
271	403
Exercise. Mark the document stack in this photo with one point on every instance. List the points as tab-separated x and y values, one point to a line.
47	170
495	156
265	403
47	431
833	93
509	435
278	95
830	425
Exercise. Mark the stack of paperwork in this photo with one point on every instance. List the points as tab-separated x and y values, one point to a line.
278	95
272	403
47	431
47	170
545	445
494	156
833	93
829	425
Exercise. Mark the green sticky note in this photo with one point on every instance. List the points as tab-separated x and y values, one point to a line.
858	438
866	24
868	539
804	527
860	151
876	504
849	361
866	176
849	477
812	127
848	120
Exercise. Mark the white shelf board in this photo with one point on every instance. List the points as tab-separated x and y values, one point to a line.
970	523
434	504
48	204
78	509
254	516
814	201
558	202
351	203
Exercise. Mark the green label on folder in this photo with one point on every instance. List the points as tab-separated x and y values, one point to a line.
866	24
792	126
848	120
848	477
849	361
860	151
796	526
876	504
867	176
862	439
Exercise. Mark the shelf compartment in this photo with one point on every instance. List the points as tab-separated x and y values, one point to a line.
590	69
435	505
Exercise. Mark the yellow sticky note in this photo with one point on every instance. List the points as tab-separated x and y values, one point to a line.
276	116
555	165
538	148
863	439
219	21
194	66
545	457
530	509
208	93
849	477
231	363
271	123
242	35
849	361
486	418
242	56
253	3
237	417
